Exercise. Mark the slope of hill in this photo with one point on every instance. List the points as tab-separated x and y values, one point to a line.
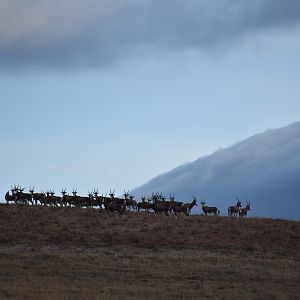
72	253
264	169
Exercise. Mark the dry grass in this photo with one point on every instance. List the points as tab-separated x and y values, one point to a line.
68	253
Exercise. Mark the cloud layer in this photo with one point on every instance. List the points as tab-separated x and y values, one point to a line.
95	32
264	169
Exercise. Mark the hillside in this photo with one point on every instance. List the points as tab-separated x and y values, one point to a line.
263	169
63	253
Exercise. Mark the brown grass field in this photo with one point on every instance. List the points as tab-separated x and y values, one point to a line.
72	253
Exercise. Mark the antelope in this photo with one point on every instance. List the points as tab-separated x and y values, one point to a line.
144	205
50	198
174	204
131	203
209	209
116	200
23	198
114	207
86	201
98	199
161	206
180	209
67	199
37	196
191	205
243	211
12	197
234	210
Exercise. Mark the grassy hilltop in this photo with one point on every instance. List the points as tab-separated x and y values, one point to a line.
70	253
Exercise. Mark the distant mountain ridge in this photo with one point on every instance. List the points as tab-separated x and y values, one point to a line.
264	169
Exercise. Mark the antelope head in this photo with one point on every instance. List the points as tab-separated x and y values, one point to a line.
126	194
238	204
63	192
31	190
195	201
20	189
202	201
143	198
248	205
112	194
74	192
96	192
172	197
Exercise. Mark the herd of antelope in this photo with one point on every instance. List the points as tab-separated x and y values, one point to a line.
156	202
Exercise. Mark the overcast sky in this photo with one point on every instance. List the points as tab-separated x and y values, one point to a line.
111	93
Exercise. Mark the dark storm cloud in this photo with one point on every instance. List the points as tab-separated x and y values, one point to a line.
74	33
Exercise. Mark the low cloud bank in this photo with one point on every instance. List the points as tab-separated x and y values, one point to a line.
264	169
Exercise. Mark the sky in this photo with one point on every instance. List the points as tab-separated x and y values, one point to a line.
108	94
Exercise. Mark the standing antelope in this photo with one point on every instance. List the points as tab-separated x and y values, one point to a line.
98	199
12	197
234	210
209	209
37	196
113	207
144	205
191	205
243	211
23	198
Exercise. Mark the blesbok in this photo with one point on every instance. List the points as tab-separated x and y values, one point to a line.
144	205
234	210
243	211
174	204
50	198
209	209
131	203
12	197
113	207
191	205
98	199
21	197
86	201
37	196
115	200
68	199
161	206
180	209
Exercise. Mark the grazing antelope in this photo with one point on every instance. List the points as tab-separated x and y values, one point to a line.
209	209
234	210
243	211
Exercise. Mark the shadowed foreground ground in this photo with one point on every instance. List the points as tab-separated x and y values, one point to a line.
68	253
